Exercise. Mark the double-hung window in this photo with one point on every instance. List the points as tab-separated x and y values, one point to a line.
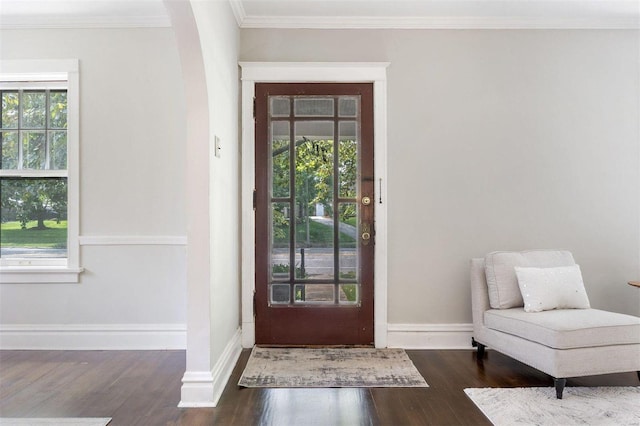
39	132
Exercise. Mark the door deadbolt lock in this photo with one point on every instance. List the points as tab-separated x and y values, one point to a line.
366	201
366	234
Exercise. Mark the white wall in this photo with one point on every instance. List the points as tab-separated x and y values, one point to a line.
498	140
132	119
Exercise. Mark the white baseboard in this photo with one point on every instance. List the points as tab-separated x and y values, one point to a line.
248	334
93	336
225	365
204	388
197	390
429	336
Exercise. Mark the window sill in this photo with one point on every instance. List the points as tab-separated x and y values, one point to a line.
39	274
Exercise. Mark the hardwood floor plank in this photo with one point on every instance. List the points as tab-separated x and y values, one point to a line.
143	388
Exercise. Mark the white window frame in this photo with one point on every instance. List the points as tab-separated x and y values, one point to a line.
67	270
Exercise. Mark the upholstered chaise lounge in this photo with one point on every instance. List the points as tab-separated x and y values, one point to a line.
532	306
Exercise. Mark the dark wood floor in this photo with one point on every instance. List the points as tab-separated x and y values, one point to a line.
143	388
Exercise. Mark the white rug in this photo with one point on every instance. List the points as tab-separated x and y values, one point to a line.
329	368
50	421
599	406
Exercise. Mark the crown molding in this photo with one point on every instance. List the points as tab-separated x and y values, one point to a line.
16	22
440	22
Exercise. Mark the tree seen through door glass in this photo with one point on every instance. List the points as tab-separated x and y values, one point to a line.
314	192
280	151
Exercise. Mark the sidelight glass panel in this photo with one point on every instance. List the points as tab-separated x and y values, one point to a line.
348	159
280	106
34	110
10	110
314	293
280	149
313	107
348	253
34	150
280	242
9	150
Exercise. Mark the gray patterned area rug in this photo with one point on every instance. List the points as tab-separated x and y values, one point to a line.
602	406
330	368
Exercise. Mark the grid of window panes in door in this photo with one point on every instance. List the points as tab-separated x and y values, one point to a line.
313	169
33	173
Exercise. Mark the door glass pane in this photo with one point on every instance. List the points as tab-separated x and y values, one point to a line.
349	294
280	293
34	110
314	199
33	218
315	262
34	150
348	106
280	149
9	110
314	293
348	237
313	107
311	175
348	159
9	150
280	107
280	232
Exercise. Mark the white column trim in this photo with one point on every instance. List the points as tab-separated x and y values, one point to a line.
248	214
199	326
204	388
291	72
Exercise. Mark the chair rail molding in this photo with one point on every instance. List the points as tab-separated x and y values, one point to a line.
133	240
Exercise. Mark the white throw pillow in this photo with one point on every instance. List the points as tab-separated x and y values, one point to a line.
502	282
544	289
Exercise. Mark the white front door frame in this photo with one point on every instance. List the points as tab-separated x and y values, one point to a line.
314	72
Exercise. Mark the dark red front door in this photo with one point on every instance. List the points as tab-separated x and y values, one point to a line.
314	214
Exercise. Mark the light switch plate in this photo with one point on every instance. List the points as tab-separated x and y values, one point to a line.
217	146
